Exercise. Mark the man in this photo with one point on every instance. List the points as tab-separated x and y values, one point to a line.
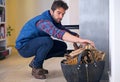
35	38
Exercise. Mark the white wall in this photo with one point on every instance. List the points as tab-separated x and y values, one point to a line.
74	12
115	40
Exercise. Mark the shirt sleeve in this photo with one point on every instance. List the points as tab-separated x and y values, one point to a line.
50	29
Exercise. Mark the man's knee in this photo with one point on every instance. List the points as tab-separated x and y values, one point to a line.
65	45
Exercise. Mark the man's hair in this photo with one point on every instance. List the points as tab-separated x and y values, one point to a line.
59	3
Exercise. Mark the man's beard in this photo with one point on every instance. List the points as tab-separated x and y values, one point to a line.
56	20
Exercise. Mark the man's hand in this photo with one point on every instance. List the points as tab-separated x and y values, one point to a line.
85	42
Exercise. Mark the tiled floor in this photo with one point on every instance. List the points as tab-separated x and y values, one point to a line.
15	69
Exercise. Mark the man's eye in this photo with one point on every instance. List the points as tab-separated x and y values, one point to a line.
58	12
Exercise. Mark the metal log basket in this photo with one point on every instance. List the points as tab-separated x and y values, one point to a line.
83	65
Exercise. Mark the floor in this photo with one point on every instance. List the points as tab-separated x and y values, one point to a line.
15	69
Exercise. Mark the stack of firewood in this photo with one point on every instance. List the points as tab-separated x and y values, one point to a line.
88	54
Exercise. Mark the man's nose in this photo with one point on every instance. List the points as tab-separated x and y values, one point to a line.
61	16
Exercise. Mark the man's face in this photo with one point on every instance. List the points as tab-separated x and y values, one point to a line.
58	14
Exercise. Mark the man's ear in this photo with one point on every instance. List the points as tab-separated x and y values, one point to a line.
51	12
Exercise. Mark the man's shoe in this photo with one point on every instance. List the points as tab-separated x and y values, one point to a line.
44	70
38	73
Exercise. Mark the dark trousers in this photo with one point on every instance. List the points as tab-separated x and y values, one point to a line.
43	48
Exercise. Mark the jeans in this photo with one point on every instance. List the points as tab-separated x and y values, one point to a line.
43	48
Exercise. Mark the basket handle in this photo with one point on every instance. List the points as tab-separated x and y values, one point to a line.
81	54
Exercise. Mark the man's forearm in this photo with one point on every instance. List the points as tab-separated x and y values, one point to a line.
70	38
